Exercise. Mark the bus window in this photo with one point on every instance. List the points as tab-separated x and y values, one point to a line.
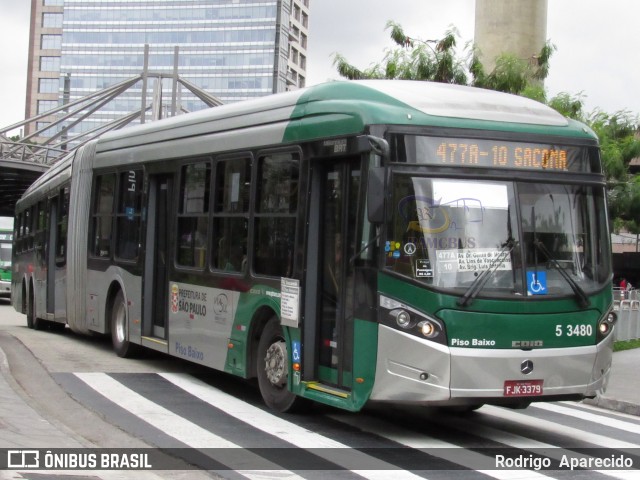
103	215
129	215
276	210
28	227
63	222
41	225
193	215
231	224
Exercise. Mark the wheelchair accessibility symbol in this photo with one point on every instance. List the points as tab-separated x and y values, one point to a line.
295	351
537	283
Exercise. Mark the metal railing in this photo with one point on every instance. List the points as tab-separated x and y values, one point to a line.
626	304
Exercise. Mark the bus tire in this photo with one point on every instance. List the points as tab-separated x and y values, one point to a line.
273	370
119	327
32	321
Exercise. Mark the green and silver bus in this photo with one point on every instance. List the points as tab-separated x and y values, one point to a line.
6	244
352	242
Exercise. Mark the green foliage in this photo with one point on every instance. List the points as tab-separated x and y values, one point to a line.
627	345
619	144
568	105
438	61
412	59
514	75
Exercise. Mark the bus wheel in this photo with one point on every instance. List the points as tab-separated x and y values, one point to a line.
32	321
119	325
273	369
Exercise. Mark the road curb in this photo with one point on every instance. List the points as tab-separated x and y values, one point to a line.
613	404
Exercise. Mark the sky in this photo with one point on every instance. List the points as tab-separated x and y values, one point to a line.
598	45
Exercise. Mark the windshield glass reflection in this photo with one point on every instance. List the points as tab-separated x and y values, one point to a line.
446	233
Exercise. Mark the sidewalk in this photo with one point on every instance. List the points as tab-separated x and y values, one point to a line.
22	426
623	392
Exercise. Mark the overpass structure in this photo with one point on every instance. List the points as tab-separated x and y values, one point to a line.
23	160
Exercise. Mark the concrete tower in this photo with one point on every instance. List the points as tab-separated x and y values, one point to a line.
510	26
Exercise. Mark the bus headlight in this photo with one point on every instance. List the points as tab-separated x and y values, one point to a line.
409	320
605	325
428	329
403	319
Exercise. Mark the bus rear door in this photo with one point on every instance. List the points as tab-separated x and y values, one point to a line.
156	269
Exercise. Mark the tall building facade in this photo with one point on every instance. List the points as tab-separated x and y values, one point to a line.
233	49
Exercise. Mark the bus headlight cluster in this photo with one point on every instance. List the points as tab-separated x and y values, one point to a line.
415	323
606	324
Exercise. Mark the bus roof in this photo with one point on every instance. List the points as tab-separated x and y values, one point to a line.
347	107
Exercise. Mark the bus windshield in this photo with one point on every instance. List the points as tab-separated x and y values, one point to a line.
526	238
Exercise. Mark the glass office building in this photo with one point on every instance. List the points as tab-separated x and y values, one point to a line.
232	49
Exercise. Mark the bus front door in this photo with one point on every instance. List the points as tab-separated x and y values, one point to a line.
156	273
337	210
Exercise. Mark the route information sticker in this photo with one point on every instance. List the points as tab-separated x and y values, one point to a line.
290	302
471	260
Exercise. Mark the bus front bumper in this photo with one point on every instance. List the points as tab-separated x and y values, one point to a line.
412	370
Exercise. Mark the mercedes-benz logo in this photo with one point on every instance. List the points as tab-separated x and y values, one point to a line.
526	367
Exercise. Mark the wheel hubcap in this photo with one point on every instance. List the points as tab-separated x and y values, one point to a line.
276	363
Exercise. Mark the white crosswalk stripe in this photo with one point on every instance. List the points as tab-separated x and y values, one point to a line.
273	425
591	417
402	436
161	418
445	450
579	435
506	428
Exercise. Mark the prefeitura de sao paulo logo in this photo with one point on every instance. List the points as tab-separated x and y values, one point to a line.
174	298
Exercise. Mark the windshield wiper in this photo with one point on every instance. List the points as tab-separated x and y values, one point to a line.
481	280
583	300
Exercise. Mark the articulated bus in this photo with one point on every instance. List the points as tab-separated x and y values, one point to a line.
352	242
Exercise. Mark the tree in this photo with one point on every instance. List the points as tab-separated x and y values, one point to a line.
412	59
438	61
619	144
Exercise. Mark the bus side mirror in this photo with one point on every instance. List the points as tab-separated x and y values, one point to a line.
375	194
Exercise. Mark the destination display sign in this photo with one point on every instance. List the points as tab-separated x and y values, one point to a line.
466	152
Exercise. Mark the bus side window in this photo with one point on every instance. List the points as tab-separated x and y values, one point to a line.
102	215
63	222
231	214
41	225
129	215
276	213
193	218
